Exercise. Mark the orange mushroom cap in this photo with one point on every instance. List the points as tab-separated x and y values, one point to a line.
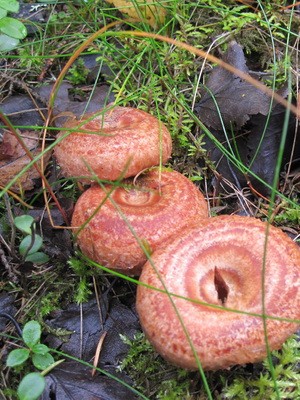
221	263
158	205
119	142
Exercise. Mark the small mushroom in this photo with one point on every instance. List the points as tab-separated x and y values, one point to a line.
219	265
118	142
148	211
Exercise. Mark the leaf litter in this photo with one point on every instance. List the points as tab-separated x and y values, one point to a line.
13	158
243	111
83	330
253	125
226	98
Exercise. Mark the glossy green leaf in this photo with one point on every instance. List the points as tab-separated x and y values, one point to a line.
17	357
7	43
24	223
42	361
40	348
12	27
37	258
3	13
31	386
26	245
31	333
10	5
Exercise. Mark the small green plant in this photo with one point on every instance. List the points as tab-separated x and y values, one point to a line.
11	29
78	73
83	290
32	242
166	381
261	387
33	384
290	214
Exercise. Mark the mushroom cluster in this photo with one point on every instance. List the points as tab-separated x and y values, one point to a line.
213	290
118	224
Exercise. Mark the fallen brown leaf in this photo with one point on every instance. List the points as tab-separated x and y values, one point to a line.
144	10
13	159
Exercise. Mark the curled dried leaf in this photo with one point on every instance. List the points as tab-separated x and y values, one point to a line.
145	10
13	159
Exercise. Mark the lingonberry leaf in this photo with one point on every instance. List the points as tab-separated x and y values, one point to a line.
17	357
13	28
3	13
24	223
40	348
30	244
31	333
10	5
42	361
37	258
8	43
31	386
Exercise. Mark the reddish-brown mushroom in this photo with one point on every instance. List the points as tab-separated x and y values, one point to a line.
118	142
149	211
221	263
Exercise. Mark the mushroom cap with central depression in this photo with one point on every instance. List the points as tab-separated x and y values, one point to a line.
219	265
114	225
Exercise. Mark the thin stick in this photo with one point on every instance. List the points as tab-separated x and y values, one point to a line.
97	353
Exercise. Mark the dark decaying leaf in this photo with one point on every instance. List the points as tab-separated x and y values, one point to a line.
73	381
236	98
98	70
257	151
21	110
65	103
115	319
244	111
264	163
39	16
6	307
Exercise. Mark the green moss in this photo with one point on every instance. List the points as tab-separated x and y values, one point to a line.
78	73
151	374
290	214
157	379
261	387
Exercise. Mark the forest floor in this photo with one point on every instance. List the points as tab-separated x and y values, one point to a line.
243	155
